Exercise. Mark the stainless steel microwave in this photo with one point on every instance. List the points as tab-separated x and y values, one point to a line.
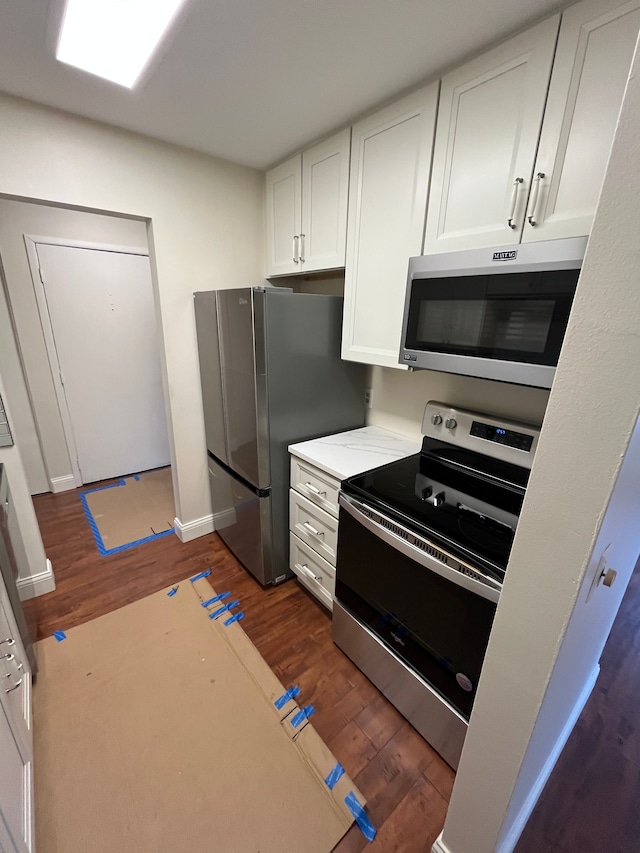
498	313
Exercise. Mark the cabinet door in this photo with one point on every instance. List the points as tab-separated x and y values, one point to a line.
595	49
283	190
390	164
15	796
16	744
15	675
325	188
488	128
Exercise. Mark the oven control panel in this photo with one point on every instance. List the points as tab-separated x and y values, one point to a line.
510	441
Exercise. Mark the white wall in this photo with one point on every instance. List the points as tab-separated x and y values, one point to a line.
205	232
34	572
399	398
583	499
43	447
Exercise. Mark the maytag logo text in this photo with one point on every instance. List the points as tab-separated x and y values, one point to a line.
505	256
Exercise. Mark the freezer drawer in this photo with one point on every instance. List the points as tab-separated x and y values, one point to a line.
242	519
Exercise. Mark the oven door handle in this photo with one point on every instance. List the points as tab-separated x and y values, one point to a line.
417	554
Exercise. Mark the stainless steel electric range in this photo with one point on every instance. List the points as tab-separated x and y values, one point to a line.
422	552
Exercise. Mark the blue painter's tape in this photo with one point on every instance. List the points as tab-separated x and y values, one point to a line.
368	830
102	549
290	694
302	715
223	609
60	636
215	598
201	575
334	777
235	618
172	592
135	477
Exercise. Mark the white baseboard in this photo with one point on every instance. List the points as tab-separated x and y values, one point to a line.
509	841
36	585
193	529
439	846
62	484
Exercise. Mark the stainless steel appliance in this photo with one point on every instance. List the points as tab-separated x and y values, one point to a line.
497	313
271	375
422	551
9	566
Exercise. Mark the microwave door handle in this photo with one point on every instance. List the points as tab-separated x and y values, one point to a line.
533	204
514	201
416	554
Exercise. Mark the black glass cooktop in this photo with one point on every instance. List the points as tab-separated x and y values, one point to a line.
464	501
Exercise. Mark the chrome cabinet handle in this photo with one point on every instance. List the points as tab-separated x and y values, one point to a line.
533	204
304	568
295	248
8	656
9	640
13	687
302	258
514	200
315	490
312	529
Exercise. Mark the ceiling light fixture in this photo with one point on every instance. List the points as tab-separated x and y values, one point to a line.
114	39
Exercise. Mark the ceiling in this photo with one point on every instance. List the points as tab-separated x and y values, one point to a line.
255	80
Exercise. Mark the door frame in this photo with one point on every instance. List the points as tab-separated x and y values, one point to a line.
31	242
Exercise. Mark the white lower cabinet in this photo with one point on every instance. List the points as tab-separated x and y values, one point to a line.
318	467
313	525
315	573
16	742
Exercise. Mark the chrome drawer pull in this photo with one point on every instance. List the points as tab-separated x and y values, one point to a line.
315	491
8	656
312	529
9	640
9	689
307	571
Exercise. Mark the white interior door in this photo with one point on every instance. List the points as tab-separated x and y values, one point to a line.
100	306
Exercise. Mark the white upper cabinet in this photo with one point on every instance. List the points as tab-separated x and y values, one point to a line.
593	57
283	196
488	128
307	209
390	164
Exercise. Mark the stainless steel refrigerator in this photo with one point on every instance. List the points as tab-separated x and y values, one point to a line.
271	375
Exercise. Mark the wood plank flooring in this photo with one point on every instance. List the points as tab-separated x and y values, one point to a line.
407	785
591	803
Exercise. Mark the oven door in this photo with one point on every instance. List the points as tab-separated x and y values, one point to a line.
434	618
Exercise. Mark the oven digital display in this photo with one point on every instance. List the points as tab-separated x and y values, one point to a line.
519	440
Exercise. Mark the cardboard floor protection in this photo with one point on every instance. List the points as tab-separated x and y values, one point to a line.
134	510
156	730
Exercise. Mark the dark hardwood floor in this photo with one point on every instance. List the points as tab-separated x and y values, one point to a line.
591	802
407	785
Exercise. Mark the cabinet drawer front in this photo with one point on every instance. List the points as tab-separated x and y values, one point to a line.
312	571
314	526
320	488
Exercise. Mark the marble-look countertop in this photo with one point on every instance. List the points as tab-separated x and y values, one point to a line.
347	453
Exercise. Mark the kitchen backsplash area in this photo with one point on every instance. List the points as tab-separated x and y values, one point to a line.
399	398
